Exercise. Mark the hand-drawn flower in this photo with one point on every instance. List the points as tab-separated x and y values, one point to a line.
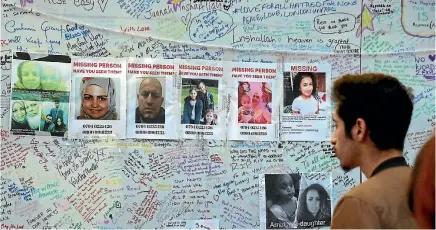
176	3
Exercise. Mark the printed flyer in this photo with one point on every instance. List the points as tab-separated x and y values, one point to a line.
306	102
152	110
40	94
254	111
295	200
98	98
201	99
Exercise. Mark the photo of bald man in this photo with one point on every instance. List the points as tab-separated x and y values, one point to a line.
150	107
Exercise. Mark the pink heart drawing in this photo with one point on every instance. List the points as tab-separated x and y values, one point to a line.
431	57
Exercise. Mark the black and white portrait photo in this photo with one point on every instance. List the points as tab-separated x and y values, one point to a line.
281	200
314	202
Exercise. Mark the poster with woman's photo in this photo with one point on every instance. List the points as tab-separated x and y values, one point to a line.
254	97
306	102
40	94
152	110
201	99
295	200
98	98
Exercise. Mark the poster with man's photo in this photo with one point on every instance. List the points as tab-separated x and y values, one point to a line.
254	97
306	102
201	99
295	200
152	110
98	98
40	94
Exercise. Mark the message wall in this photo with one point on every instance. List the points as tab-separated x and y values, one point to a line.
191	181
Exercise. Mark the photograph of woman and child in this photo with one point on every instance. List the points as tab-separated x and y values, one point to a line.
287	207
98	99
254	102
199	100
49	117
304	93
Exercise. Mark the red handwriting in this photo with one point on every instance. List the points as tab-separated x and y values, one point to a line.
12	226
88	199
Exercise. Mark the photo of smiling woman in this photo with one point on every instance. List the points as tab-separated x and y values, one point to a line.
98	99
304	93
19	120
29	76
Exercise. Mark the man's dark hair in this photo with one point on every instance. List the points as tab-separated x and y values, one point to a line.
381	100
48	115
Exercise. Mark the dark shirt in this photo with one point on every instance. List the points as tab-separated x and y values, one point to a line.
393	162
159	119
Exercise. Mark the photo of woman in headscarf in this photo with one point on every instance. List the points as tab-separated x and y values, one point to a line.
19	120
98	99
29	76
314	207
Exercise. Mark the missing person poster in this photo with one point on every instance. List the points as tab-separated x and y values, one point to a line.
295	200
254	113
201	98
40	94
98	98
306	102
152	110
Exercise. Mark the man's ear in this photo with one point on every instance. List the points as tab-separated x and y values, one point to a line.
359	130
137	97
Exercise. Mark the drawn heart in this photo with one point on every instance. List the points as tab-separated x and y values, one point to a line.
431	57
186	19
102	4
216	197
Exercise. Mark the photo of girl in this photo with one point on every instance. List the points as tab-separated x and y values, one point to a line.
193	108
199	99
281	192
314	207
210	118
254	100
98	99
307	95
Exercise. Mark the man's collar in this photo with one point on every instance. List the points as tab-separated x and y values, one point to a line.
390	163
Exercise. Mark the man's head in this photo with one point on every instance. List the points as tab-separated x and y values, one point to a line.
48	119
373	111
32	111
202	87
150	97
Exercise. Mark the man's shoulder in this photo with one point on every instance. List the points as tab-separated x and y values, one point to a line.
388	184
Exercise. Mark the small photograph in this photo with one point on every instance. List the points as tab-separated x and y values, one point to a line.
200	101
40	72
304	93
54	118
281	198
314	203
25	114
254	102
97	98
150	104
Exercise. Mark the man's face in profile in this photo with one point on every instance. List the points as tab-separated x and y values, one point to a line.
150	98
